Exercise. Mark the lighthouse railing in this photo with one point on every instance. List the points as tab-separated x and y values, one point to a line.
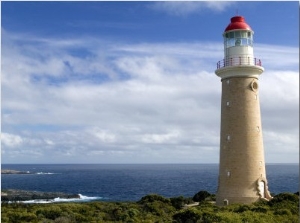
240	60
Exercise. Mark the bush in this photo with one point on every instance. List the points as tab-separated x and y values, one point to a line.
282	212
284	197
50	212
18	217
241	208
179	202
285	201
63	220
188	216
260	209
201	196
154	197
209	217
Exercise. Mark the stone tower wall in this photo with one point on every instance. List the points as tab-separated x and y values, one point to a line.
242	162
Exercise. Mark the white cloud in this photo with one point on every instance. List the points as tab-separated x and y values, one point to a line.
279	57
180	8
169	137
133	103
10	140
279	96
103	135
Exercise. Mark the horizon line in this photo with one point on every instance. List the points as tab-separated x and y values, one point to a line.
269	163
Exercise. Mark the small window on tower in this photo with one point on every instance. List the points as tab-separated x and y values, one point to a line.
227	103
228	81
228	173
228	137
257	128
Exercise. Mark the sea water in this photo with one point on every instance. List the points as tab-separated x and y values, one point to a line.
130	182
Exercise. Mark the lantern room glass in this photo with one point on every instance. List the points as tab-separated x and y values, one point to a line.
238	38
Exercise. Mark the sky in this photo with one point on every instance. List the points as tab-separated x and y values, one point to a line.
134	82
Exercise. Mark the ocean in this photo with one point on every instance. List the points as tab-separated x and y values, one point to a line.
130	182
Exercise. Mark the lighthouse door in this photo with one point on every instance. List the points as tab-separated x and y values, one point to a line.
262	188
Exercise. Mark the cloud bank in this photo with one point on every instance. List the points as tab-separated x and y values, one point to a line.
95	101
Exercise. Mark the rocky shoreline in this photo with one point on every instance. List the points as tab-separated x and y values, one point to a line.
22	195
14	172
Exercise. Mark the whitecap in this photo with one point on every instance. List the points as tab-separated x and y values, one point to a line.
36	201
43	173
88	198
81	198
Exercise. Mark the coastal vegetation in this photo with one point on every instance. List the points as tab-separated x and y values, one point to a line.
283	208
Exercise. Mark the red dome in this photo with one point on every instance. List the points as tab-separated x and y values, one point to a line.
237	22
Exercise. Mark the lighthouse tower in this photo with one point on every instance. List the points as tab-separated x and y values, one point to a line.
242	174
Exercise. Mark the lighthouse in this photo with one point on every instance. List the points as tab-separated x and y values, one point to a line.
242	173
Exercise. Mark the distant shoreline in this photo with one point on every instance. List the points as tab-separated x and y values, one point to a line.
5	171
16	195
25	195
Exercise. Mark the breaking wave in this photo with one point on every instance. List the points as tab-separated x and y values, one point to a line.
44	173
81	198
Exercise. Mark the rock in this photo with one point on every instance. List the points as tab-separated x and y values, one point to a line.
14	172
22	195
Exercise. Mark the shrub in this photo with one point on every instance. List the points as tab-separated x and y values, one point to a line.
201	196
284	197
132	212
179	202
51	212
261	203
63	220
154	197
282	212
260	209
190	215
241	208
18	217
285	201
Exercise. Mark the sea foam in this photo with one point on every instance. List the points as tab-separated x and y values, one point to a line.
81	198
45	173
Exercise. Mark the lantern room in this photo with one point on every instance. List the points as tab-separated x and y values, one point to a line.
238	38
238	44
238	47
238	33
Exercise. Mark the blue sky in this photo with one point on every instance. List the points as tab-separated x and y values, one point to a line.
134	82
